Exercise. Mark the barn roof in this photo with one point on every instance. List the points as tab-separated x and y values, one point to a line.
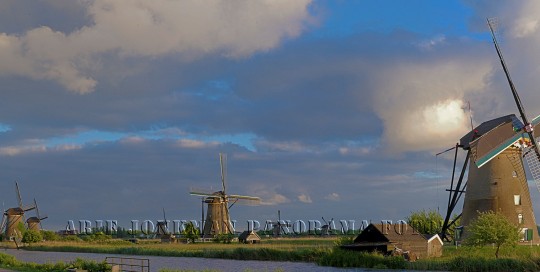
249	235
381	233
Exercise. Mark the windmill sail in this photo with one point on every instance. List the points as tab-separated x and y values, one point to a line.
534	159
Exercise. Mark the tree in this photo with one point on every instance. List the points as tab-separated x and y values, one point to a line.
492	228
49	235
426	222
190	231
32	236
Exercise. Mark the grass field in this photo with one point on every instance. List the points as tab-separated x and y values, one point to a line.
319	250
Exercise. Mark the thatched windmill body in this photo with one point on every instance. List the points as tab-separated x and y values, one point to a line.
496	179
218	204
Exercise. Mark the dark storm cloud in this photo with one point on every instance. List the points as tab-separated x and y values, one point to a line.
18	16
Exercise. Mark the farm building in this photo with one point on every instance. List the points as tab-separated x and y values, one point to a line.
386	238
249	237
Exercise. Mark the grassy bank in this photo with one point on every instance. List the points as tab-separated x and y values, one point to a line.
9	262
300	250
519	258
320	251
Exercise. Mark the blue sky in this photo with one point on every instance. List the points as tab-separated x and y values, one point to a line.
114	109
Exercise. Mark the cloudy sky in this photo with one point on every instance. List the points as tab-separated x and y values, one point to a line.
115	109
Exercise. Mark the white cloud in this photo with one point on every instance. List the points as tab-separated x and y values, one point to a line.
150	29
275	199
421	103
333	197
431	43
305	198
188	143
524	27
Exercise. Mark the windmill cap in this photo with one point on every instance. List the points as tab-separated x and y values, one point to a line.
15	211
487	127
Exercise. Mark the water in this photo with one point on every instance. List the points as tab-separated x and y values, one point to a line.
157	262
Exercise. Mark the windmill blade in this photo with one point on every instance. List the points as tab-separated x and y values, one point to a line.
245	197
164	217
19	199
223	166
533	154
244	200
203	194
3	224
528	126
37	213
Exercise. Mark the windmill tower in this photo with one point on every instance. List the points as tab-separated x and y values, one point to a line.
13	217
217	213
496	179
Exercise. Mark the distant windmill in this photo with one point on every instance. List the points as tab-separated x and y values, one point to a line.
327	229
13	217
217	215
34	222
279	227
163	231
496	178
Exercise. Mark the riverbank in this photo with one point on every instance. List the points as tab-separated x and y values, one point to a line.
177	264
319	251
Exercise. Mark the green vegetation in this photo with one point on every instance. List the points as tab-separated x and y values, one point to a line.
32	236
492	228
49	235
426	222
323	251
347	258
225	238
191	232
9	262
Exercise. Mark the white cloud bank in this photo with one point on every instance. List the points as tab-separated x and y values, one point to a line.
421	104
141	28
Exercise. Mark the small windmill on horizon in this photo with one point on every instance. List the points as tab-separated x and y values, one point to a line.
218	219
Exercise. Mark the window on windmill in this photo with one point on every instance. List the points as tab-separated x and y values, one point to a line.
523	235
514	174
517	200
520	218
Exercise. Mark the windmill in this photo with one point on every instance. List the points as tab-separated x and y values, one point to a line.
217	213
280	227
327	228
163	230
34	222
496	178
13	217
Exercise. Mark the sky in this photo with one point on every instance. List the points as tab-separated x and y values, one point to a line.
113	110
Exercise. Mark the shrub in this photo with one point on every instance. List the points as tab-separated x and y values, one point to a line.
32	236
492	228
225	238
49	235
70	238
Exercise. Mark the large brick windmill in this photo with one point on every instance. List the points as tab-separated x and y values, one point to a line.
496	179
